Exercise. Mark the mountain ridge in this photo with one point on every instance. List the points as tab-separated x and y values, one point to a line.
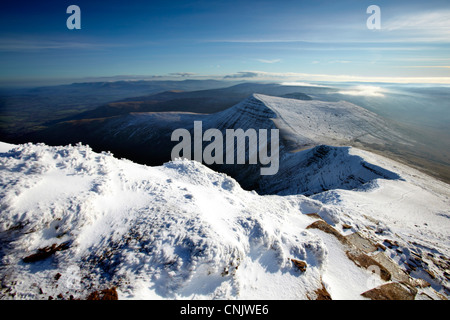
146	137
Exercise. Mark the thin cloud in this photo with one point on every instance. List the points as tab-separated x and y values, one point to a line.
19	45
425	26
241	75
332	62
340	61
287	78
268	61
436	67
432	20
366	91
258	41
301	77
183	74
302	84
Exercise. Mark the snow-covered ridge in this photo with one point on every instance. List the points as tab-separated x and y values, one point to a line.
306	124
303	124
146	138
73	221
310	123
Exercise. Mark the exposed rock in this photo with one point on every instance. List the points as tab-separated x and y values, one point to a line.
46	252
410	267
390	243
322	294
106	294
364	261
391	291
439	263
430	273
301	265
394	269
419	283
423	296
361	243
442	297
325	227
314	215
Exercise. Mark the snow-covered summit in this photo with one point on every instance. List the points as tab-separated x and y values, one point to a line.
305	124
74	221
323	130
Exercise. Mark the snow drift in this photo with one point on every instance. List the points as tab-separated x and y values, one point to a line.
74	221
179	231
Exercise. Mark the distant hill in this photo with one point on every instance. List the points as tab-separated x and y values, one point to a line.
26	110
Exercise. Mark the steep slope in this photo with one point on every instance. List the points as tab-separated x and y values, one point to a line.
310	123
302	125
320	169
74	221
145	138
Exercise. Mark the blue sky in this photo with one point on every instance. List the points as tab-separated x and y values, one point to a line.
257	40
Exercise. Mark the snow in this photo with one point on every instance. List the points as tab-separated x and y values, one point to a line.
5	147
413	211
183	231
176	231
310	123
345	280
